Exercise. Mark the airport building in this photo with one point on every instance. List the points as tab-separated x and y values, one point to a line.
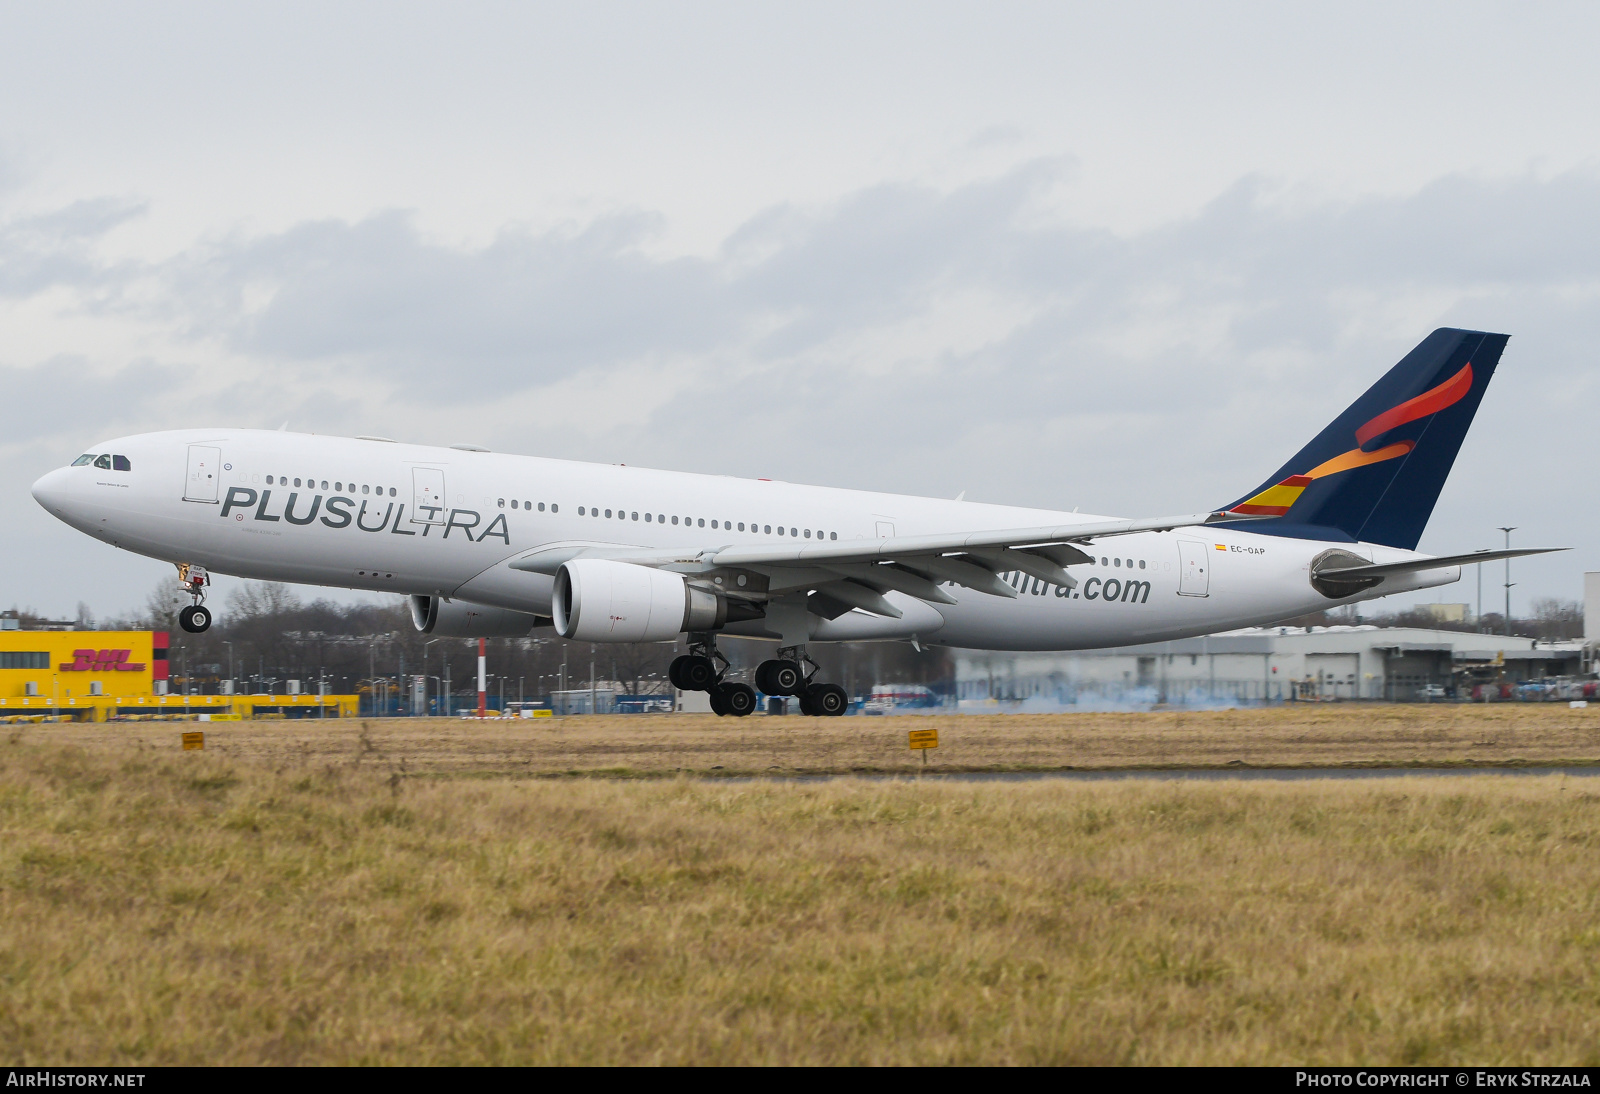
107	675
1405	664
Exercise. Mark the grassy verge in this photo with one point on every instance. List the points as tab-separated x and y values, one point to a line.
1306	735
163	907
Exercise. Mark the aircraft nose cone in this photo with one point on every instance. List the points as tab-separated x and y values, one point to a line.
53	490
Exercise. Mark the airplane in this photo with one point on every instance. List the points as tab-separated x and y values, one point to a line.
492	544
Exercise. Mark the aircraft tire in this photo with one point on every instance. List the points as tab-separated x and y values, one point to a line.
780	678
737	699
719	706
673	673
195	619
826	700
697	674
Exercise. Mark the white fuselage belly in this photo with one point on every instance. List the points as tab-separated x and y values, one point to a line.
1248	578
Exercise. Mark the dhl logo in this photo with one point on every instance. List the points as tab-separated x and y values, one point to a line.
102	661
1277	500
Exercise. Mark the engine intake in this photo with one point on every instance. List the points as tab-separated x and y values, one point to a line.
598	600
464	619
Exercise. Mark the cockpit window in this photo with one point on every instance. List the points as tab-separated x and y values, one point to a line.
82	461
103	462
120	463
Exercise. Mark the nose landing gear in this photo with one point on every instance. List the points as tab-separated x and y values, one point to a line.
196	618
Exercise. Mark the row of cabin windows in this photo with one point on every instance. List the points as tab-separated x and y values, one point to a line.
687	522
311	484
1119	562
700	522
106	462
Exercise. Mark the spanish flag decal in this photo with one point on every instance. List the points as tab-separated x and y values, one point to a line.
1276	501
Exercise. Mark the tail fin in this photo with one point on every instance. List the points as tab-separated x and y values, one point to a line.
1375	473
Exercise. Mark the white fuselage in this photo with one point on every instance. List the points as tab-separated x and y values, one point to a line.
449	522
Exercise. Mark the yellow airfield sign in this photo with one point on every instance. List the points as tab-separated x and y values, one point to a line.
193	741
924	738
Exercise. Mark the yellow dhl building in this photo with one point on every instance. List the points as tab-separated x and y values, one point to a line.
104	675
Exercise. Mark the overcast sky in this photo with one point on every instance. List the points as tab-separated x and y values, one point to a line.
1120	257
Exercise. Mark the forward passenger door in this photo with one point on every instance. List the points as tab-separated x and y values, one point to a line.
427	495
203	473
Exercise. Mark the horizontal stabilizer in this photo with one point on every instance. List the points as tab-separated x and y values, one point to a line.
1415	565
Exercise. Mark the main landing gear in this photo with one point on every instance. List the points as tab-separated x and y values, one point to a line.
703	668
786	675
196	617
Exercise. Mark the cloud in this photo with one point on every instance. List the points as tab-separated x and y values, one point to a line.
902	337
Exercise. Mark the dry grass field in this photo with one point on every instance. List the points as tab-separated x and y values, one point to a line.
1303	735
268	903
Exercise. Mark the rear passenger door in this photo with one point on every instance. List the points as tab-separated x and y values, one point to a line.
1194	565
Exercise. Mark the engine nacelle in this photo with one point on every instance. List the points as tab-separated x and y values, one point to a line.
463	619
598	600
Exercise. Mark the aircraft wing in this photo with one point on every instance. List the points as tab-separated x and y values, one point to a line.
856	573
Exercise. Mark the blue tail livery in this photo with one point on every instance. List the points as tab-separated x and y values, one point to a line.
1375	473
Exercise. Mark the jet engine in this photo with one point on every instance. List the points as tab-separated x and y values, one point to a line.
599	600
463	619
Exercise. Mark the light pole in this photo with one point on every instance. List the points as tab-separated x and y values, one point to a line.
1480	597
1508	532
425	646
231	682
